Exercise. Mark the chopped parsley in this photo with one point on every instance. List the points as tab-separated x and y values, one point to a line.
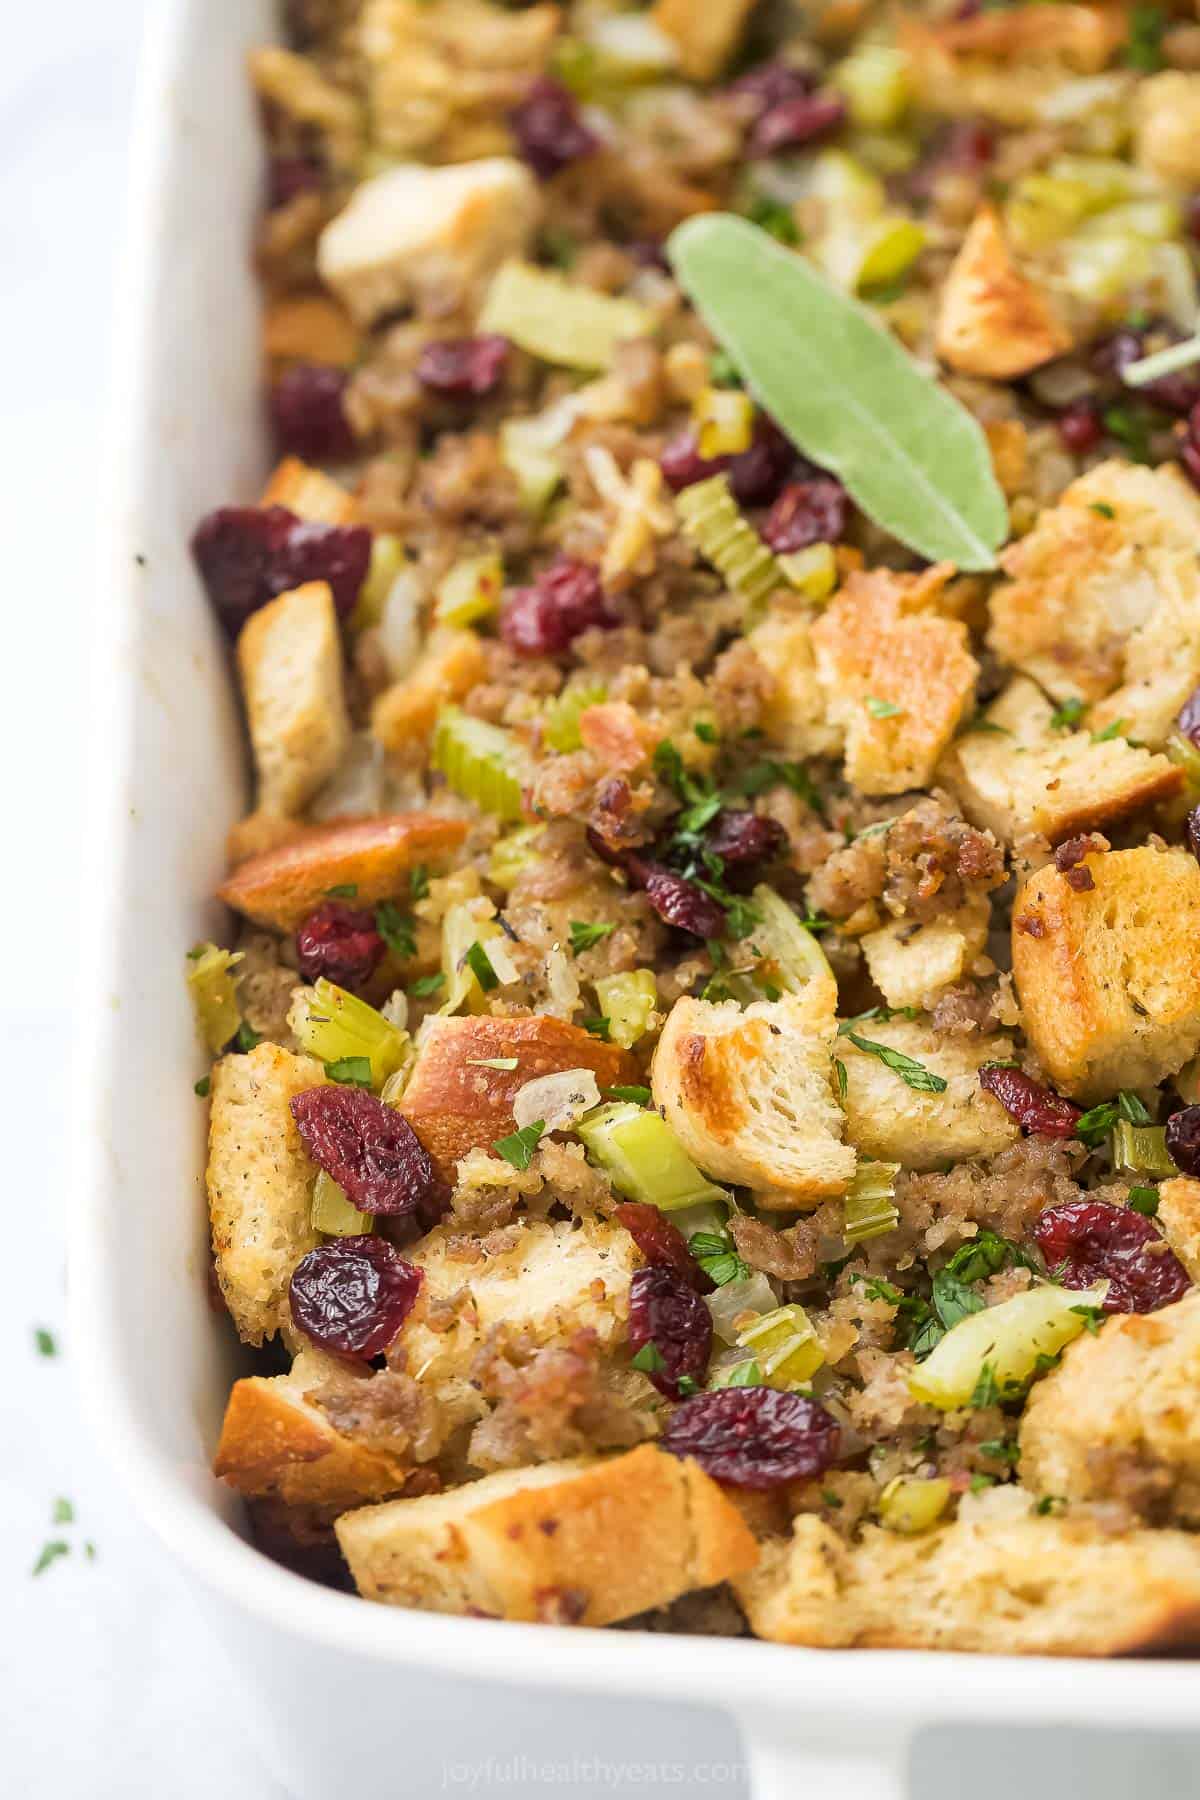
519	1148
715	1252
979	1481
981	723
345	890
775	219
953	1299
1103	509
584	936
50	1552
598	1026
1098	1121
687	1385
203	1087
44	1341
1093	1317
350	1071
418	882
747	1374
479	962
704	730
987	1389
1067	716
396	929
793	775
637	1096
1115	730
245	1039
425	985
912	1073
1143	1200
839	1070
829	1498
882	709
1047	1503
986	1254
649	1359
1144	49
1001	1450
1130	426
63	1514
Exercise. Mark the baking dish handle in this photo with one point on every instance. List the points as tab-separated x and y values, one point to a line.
803	1764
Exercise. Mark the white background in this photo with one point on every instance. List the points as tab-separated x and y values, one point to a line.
109	1687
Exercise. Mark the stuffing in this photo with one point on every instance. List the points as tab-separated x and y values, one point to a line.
281	887
559	1400
993	321
309	493
449	666
793	713
892	1122
310	328
897	678
296	86
582	1542
707	35
913	964
290	661
1018	65
1167	127
1179	1220
1109	976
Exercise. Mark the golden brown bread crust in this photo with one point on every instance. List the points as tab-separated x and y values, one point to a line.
280	887
707	35
310	328
450	664
289	657
310	494
992	321
274	1443
1179	1220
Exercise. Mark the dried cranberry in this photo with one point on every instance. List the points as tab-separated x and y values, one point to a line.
662	1244
288	176
665	1310
676	900
353	1295
966	148
466	367
307	415
771	84
740	837
1086	1241
549	130
248	554
370	1150
796	122
339	942
683	466
543	620
649	253
1189	718
1080	427
754	1437
757	474
1183	1139
807	512
1034	1107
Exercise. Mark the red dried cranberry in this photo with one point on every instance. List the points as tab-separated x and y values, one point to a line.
1086	1241
771	84
666	1311
1189	718
307	415
353	1295
649	253
807	512
662	1244
339	942
288	176
1080	427
543	620
683	466
754	1437
1034	1107
676	900
248	554
370	1150
549	130
966	148
796	122
1183	1139
740	837
757	474
466	367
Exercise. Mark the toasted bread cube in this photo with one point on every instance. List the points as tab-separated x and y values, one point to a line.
581	1542
749	1094
1166	112
912	964
427	237
450	665
1179	1220
892	1122
456	1105
1008	65
993	321
281	887
794	714
1022	778
310	494
1109	979
309	328
290	658
880	645
707	35
1026	1587
260	1184
1118	1417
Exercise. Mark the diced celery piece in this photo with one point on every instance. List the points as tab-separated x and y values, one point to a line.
643	1158
1109	181
1042	208
627	1001
1186	756
911	1503
886	152
334	1213
481	762
331	1024
1156	220
561	323
1142	1148
724	421
738	1303
712	523
870	1204
848	190
1102	269
560	718
784	1345
511	854
875	81
1007	1340
786	953
536	464
813	571
470	590
889	248
214	994
387	560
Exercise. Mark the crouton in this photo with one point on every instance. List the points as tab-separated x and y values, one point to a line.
281	887
1027	1587
992	320
1117	1420
290	659
309	328
427	237
793	714
1109	978
581	1542
707	35
1179	1220
450	664
1021	777
259	832
912	964
892	1122
1166	111
897	678
750	1094
455	1104
260	1183
1084	36
309	493
1012	65
276	1443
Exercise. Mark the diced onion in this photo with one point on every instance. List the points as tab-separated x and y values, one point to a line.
557	1100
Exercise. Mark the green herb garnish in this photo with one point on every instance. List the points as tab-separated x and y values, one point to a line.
598	1025
425	985
882	709
245	1039
1130	427
1143	1200
1093	1317
912	1073
1111	731
775	219
203	1087
987	1389
705	732
747	1374
715	1252
953	1299
986	1254
63	1513
1144	49
649	1359
1067	716
1102	508
636	1096
418	882
583	936
50	1552
350	1071
479	962
345	890
839	1070
44	1341
519	1148
396	929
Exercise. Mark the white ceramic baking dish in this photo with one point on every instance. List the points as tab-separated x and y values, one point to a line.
325	1671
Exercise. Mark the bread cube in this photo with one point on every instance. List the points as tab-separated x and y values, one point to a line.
1179	1220
310	494
280	887
1109	979
912	964
290	660
449	666
707	35
794	713
1166	110
581	1542
993	321
892	1122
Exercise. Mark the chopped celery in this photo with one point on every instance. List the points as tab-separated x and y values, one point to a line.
561	323
331	1024
789	956
481	762
1156	220
627	1001
784	1345
1098	270
1186	757
214	994
1142	1148
527	454
870	1205
712	523
812	571
874	79
333	1213
511	854
888	250
1003	1346
643	1158
724	421
911	1503
387	560
736	1304
847	190
1042	208
470	590
560	717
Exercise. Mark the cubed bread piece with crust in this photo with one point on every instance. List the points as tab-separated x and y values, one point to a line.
707	35
794	714
581	1542
892	1122
1179	1220
450	665
260	1184
1021	778
1036	1586
427	237
1118	1420
1166	110
912	964
750	1094
1008	65
898	678
281	887
309	493
992	320
309	328
290	659
1109	978
455	1103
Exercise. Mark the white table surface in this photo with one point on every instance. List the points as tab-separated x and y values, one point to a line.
109	1686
